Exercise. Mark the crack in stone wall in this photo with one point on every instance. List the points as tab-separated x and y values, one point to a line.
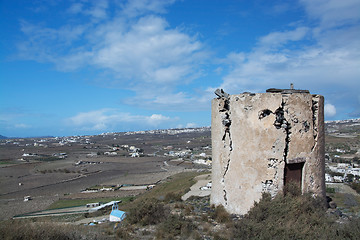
271	186
282	122
315	110
226	121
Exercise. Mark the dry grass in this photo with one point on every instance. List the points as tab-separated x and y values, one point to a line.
27	230
150	212
221	215
158	214
169	191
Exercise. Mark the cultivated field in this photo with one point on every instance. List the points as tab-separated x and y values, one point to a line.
49	169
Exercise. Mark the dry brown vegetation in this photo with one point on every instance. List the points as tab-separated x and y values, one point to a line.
155	216
27	230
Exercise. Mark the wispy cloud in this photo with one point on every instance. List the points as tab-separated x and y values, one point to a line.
111	119
332	13
22	125
98	10
75	8
139	7
277	39
136	47
12	120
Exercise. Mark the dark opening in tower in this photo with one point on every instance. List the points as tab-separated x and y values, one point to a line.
293	177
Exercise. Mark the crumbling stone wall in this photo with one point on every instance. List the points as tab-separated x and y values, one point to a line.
256	136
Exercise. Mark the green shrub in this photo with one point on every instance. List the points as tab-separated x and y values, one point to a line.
175	225
172	197
330	190
355	186
220	214
150	212
292	189
292	217
124	232
188	210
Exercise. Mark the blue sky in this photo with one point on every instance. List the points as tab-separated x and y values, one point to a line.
87	67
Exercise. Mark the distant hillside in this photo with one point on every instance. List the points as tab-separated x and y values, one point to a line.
2	137
349	127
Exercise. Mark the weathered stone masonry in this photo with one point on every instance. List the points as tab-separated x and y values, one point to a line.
262	141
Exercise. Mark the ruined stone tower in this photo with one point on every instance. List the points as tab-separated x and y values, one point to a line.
263	141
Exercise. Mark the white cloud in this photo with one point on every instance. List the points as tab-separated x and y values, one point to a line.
329	110
111	119
134	8
156	119
22	125
75	8
332	13
320	58
180	101
45	44
275	39
188	125
138	50
98	10
148	52
191	125
13	118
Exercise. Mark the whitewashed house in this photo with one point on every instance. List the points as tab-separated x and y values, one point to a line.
328	178
116	215
134	154
338	178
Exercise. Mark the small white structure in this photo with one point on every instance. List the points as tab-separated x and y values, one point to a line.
27	198
338	179
91	205
101	206
134	154
328	178
202	155
110	153
116	215
207	187
150	186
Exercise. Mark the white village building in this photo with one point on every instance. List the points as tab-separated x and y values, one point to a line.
116	215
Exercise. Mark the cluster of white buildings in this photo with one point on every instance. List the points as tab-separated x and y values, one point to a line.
180	153
46	142
342	170
201	158
171	131
81	162
110	153
133	151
